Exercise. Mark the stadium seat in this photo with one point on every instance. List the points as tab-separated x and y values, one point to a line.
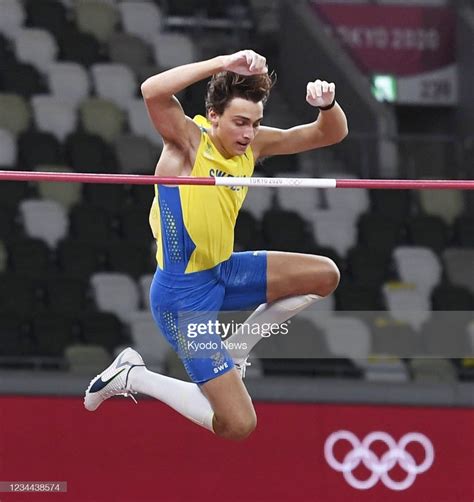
334	229
79	259
140	123
446	204
463	229
14	338
49	15
115	293
103	118
385	369
367	266
247	234
19	295
294	199
173	49
38	148
10	333
418	265
3	251
129	50
65	194
135	227
45	220
13	192
258	201
132	258
391	204
96	18
86	359
8	149
432	371
108	198
16	114
24	79
185	8
89	223
52	333
428	231
7	56
407	303
29	257
304	340
379	233
55	115
36	47
286	231
142	197
470	336
103	329
448	297
142	19
89	153
136	154
446	335
114	82
65	295
347	337
69	81
303	351
353	295
80	48
392	337
12	18
145	285
350	203
148	341
459	267
8	222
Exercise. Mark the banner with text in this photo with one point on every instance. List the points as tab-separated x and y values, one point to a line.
414	44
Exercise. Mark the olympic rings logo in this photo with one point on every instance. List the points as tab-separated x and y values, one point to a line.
380	467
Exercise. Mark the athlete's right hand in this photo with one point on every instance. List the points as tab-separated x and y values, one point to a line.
245	63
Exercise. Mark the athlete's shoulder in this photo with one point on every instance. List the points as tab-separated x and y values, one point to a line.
202	122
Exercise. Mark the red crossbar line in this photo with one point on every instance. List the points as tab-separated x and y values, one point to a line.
407	184
135	179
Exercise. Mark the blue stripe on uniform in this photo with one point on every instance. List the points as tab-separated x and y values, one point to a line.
177	244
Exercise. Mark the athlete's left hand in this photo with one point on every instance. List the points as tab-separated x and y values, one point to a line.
320	93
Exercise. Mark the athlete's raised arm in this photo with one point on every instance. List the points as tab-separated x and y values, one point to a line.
164	108
329	128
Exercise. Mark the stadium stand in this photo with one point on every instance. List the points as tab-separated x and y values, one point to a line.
69	101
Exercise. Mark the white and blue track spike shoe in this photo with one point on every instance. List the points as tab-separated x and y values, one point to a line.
114	380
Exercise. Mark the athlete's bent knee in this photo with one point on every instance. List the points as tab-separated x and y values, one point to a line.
242	429
328	278
237	429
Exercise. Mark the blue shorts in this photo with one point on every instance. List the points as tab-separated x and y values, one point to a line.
185	308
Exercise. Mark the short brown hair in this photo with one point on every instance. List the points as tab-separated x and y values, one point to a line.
226	85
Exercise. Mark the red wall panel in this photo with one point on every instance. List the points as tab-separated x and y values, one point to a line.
146	452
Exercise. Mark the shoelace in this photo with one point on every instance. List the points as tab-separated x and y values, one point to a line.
242	367
129	394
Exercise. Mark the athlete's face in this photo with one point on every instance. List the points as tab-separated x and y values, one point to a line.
236	128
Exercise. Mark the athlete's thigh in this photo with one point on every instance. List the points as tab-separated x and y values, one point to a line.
290	274
245	279
186	317
229	398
